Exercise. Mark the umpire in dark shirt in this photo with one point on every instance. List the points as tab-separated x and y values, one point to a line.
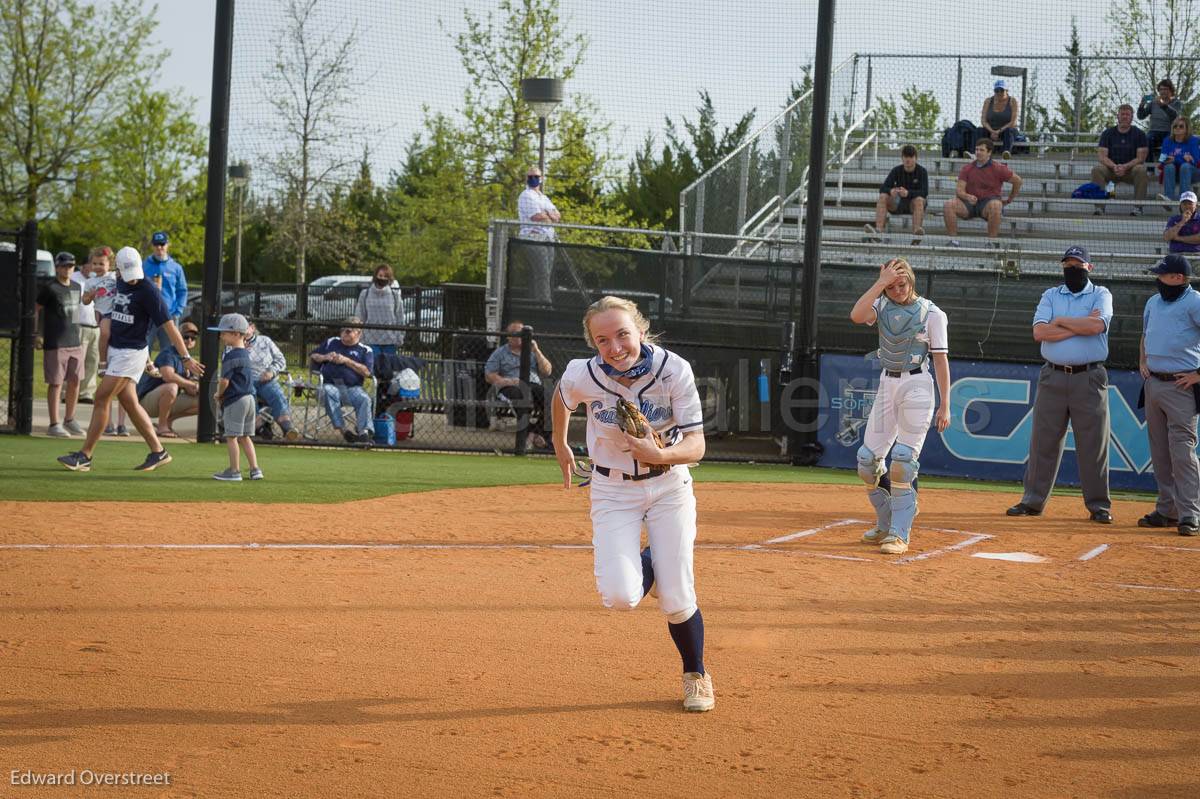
905	191
1170	365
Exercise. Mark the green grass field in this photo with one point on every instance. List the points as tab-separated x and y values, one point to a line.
28	472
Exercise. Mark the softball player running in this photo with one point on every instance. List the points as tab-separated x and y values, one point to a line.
629	484
911	329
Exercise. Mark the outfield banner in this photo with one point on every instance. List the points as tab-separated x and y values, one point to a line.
991	416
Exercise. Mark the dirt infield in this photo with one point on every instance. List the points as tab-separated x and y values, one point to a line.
482	664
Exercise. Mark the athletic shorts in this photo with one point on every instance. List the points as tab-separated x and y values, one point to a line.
900	205
182	404
127	363
238	416
975	211
62	365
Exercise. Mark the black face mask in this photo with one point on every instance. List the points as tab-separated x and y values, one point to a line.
1076	278
381	281
1171	293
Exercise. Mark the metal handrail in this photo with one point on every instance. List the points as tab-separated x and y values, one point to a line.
842	158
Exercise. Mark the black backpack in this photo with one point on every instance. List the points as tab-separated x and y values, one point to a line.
959	139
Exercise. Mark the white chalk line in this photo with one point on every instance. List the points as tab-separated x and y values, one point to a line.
1091	553
975	539
813	531
1172	549
1157	588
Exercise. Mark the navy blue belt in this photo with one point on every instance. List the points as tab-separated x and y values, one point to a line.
890	373
605	471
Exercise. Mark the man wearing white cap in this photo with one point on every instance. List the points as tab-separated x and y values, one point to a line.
1183	229
137	308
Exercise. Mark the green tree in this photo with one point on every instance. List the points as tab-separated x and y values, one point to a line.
147	174
1160	34
58	75
1081	88
655	178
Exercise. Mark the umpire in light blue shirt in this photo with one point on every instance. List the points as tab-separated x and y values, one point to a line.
1170	365
1071	323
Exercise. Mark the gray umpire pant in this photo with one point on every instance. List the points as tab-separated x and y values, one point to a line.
1171	424
1080	398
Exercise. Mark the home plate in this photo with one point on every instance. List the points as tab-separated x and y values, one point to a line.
1018	557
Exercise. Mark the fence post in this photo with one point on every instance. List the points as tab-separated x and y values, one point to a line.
699	246
743	189
523	404
785	161
870	83
24	344
1078	63
958	95
257	298
854	84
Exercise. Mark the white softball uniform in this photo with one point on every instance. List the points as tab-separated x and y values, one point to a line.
904	405
668	398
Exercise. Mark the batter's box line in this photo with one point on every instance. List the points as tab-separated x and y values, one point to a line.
971	540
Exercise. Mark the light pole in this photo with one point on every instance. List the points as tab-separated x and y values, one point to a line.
1016	72
542	95
239	176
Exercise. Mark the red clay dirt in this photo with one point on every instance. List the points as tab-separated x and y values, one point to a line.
493	671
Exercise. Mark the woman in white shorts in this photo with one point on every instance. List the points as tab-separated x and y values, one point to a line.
137	309
912	331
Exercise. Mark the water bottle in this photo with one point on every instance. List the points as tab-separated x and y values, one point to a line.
1110	189
764	378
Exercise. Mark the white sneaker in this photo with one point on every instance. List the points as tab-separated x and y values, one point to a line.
873	233
57	431
893	546
874	536
698	692
73	427
256	474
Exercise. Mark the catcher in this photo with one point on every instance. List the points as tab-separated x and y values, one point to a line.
644	426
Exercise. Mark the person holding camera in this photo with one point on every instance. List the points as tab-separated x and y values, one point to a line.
1161	108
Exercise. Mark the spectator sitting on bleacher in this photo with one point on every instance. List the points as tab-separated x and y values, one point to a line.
977	194
903	192
171	394
503	370
999	117
1123	152
266	362
1183	229
1180	157
1162	110
344	363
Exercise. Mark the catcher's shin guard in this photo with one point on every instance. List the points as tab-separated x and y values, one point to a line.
881	499
904	496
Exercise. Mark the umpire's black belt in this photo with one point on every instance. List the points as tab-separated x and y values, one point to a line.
890	373
1168	377
1083	367
605	471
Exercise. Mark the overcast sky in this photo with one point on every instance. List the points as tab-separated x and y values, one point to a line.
647	59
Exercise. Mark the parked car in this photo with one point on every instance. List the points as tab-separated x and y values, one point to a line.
45	261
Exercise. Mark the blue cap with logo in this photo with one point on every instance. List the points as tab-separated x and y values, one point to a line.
1077	252
159	237
1173	264
1000	84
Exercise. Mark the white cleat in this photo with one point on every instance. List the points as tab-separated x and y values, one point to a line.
698	692
893	545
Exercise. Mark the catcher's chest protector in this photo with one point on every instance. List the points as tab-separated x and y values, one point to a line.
903	338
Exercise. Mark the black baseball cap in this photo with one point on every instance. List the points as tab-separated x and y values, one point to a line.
64	259
1173	264
1077	252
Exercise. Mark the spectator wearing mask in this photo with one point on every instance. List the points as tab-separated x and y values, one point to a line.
534	206
168	275
379	304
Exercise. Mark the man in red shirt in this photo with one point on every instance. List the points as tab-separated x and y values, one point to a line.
978	192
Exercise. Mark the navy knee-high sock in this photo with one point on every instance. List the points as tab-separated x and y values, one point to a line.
647	571
689	640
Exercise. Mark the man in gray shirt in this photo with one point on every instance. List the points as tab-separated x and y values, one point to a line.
503	370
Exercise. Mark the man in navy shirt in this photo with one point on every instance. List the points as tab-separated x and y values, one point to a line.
170	395
1122	154
136	309
903	192
1170	365
344	363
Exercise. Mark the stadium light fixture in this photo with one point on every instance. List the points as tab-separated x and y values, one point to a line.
239	178
542	95
1001	71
